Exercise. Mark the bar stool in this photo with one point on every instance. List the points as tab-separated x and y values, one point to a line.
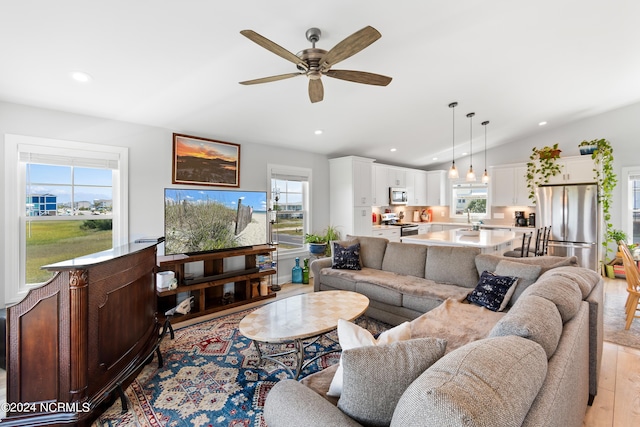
522	251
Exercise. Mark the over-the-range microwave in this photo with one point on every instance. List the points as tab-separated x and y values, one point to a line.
397	196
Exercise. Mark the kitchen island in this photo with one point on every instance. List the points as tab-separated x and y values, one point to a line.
489	241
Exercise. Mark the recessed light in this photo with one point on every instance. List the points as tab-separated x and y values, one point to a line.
318	132
393	150
542	123
435	158
465	153
81	76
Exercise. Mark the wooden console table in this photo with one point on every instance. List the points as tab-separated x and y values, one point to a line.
81	336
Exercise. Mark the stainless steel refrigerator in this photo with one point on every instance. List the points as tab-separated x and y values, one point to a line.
574	214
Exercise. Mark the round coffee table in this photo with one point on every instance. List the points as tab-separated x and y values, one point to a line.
299	318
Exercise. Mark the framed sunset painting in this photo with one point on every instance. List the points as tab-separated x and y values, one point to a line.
204	161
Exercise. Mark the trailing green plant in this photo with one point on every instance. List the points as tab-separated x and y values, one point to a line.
607	181
542	165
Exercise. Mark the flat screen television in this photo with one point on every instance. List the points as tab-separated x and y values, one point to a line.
197	221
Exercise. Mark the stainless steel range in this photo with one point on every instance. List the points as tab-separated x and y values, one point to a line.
406	229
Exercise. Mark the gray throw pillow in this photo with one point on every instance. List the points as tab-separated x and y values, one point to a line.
490	382
376	376
527	275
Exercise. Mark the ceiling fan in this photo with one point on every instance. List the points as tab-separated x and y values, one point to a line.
315	63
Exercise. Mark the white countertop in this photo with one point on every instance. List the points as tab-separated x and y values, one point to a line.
485	238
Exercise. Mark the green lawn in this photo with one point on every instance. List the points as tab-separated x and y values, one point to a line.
54	241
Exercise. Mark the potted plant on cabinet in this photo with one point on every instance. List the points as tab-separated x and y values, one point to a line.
541	167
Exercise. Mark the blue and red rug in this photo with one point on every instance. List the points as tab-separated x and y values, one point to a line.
211	377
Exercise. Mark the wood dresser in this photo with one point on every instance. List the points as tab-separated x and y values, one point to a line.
81	336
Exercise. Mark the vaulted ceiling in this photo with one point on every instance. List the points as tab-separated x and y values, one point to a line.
178	64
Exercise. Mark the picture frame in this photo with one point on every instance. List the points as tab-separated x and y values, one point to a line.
203	161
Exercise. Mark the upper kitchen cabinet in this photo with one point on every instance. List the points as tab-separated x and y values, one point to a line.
381	186
509	186
350	194
436	188
397	177
574	170
416	187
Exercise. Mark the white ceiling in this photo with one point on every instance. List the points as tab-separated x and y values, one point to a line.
177	64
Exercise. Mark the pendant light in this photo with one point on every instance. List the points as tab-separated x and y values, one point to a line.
471	176
453	172
485	176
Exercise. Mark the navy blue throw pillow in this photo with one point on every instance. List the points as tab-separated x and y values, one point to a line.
493	292
346	258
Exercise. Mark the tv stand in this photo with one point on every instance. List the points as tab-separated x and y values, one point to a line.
208	289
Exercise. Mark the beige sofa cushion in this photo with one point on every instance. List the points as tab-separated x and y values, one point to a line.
491	382
585	279
489	262
405	258
371	250
452	265
560	290
526	274
534	318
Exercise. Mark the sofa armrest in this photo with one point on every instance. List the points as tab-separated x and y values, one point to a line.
291	404
596	334
316	266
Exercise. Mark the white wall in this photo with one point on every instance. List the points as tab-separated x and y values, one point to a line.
150	151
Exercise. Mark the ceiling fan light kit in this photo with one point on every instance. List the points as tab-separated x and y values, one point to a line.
314	62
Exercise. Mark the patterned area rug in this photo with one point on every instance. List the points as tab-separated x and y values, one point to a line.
211	377
615	319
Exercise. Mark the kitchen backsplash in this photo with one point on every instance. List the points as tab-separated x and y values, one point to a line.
499	215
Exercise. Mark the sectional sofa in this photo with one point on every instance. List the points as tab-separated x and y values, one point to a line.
539	358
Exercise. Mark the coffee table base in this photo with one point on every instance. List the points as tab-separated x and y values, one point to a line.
298	350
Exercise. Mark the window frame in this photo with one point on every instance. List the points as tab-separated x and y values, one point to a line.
275	171
453	199
15	197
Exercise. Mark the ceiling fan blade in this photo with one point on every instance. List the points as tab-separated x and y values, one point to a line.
273	47
316	90
271	79
359	77
350	46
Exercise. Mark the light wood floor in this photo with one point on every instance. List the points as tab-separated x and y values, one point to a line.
616	405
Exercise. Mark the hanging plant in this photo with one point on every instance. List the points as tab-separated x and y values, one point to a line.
607	180
542	165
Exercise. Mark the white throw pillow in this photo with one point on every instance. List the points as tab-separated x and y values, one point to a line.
351	336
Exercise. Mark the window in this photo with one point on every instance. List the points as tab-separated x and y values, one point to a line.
468	200
630	180
66	199
289	205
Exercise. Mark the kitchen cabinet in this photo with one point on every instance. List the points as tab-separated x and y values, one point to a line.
397	177
424	228
350	194
509	186
436	188
393	234
380	185
416	187
575	170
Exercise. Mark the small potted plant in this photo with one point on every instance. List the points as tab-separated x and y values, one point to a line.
541	167
613	235
318	242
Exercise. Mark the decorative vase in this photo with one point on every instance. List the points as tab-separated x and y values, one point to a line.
305	272
296	272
